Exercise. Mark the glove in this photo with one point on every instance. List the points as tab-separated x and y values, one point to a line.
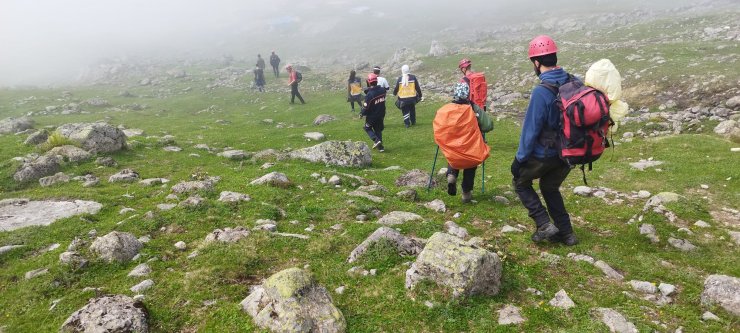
515	168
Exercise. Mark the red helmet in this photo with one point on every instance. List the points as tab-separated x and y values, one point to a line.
542	45
464	63
372	77
288	66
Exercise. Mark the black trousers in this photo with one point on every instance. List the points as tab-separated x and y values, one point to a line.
294	93
374	128
409	114
276	70
468	177
551	172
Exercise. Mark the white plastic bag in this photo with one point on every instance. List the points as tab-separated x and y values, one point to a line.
603	76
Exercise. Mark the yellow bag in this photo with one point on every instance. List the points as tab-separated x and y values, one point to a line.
602	75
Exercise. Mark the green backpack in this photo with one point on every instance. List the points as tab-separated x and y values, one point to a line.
484	119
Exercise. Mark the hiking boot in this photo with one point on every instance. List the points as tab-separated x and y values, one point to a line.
381	148
568	240
377	143
544	231
467	196
451	184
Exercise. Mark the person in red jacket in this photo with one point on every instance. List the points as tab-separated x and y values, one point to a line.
293	83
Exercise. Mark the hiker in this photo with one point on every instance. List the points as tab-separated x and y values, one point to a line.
275	63
354	90
461	95
259	78
260	62
295	78
538	155
382	82
408	91
374	111
476	81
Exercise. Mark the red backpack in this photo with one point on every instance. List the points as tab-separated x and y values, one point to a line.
478	89
584	124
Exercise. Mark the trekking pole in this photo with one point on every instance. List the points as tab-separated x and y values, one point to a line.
483	177
434	165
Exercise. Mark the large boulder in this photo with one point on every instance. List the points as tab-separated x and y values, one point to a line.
339	153
451	262
723	290
438	50
415	178
95	137
19	213
116	246
37	137
70	153
196	185
111	313
292	301
42	166
729	129
276	179
404	245
15	125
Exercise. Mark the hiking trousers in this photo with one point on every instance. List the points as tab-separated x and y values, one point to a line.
468	178
409	114
294	93
374	128
551	172
276	70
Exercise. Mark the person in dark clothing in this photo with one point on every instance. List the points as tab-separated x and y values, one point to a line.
293	83
354	90
260	62
408	91
461	95
537	156
275	63
374	111
259	78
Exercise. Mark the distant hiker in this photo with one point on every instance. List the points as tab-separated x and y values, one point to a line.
538	153
260	62
259	78
457	131
295	77
275	63
408	91
476	81
374	111
354	90
382	82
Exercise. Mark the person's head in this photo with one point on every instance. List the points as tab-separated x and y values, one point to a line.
405	69
460	93
543	53
352	74
273	51
464	65
372	79
259	56
376	70
289	67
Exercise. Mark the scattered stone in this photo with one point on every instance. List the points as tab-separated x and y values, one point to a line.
649	231
507	229
95	137
292	301
436	205
227	235
57	178
533	291
44	165
561	300
706	316
193	201
142	286
501	199
116	313
314	136
173	149
266	227
702	224
8	248
334	180
340	290
36	272
608	270
181	246
106	161
723	290
141	270
407	195
456	230
116	246
166	207
299	236
365	195
37	137
276	179
643	286
415	178
233	154
227	196
662	198
398	217
616	322
735	236
337	153
15	125
124	176
73	259
323	118
154	181
583	191
644	164
404	245
19	213
509	315
132	132
666	289
451	262
70	153
681	244
197	185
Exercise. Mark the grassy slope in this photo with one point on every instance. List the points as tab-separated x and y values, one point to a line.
370	304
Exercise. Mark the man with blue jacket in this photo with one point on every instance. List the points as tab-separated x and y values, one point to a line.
374	111
538	153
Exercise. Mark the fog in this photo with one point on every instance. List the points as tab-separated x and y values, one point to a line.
52	41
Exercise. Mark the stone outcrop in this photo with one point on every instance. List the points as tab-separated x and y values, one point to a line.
113	313
95	137
339	153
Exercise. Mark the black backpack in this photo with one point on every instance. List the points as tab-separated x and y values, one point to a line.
298	77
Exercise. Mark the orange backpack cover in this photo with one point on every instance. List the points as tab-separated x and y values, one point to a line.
457	134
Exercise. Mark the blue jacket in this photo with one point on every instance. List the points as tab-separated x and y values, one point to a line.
375	102
542	113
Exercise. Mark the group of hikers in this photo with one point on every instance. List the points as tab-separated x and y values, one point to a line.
259	70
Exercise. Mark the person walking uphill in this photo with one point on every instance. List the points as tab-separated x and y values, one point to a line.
382	82
260	62
259	78
408	91
538	154
354	90
295	78
275	63
374	111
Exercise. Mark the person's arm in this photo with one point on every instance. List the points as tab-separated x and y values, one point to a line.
534	121
418	87
395	90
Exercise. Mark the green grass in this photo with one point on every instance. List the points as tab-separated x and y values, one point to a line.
374	303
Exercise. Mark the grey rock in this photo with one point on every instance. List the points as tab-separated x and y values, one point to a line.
334	180
723	290
166	207
507	229
15	125
407	195
106	161
227	196
561	300
337	153
73	259
681	244
666	289
323	118
643	286
181	246
702	224
95	137
173	149
292	301
365	195
70	153
19	213
116	246
97	101
451	262
36	272
583	191
404	245
276	179
124	176
314	136
37	168
735	236
57	178
509	315
142	286
649	231
608	270
233	154
706	316
644	164
154	181
662	198
453	229
132	132
227	235
733	102
266	227
196	185
37	137
112	313
193	201
438	50
415	178
616	322
141	270
8	248
501	199
398	217
436	205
